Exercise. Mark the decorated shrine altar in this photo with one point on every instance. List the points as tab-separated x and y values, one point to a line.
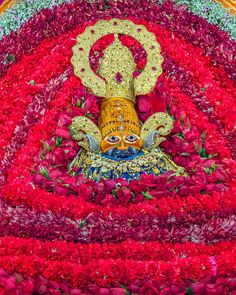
117	147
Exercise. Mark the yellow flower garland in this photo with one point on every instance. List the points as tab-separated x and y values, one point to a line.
6	4
229	4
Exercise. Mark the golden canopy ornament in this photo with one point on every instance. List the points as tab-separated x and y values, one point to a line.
119	134
144	83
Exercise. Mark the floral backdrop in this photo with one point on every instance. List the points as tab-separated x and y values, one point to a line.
157	235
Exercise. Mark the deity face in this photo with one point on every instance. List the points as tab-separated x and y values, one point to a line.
121	145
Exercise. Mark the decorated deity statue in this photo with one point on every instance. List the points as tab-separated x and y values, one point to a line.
120	146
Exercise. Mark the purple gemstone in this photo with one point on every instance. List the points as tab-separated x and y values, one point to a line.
119	78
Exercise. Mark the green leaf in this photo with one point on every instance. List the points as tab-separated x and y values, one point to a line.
44	172
89	115
211	169
83	102
204	154
114	193
31	82
42	155
189	291
203	137
11	57
147	196
180	135
58	141
185	154
123	287
78	103
168	109
46	146
82	223
181	119
107	5
19	279
203	89
132	199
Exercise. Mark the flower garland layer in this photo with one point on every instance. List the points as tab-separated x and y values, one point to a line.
21	12
48	27
213	12
229	4
21	284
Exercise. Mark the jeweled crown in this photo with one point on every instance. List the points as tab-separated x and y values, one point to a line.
117	67
117	111
118	114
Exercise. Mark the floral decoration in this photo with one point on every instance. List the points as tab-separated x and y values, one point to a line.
167	234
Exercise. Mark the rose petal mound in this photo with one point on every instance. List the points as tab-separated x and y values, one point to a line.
159	234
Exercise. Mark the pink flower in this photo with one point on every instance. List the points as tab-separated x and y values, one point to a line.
61	190
85	191
55	173
177	289
149	289
233	284
144	104
124	196
165	291
118	291
63	132
198	288
64	120
183	190
215	290
109	185
76	292
109	199
103	291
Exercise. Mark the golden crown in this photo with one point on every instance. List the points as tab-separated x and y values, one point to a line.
118	114
117	68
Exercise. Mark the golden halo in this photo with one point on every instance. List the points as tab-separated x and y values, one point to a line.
145	82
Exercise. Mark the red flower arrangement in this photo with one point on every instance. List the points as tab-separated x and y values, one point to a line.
156	235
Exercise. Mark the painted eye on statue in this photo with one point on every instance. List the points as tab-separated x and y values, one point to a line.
113	139
131	138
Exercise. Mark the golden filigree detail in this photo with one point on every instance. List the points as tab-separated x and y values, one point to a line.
117	67
96	166
144	83
118	112
157	126
86	132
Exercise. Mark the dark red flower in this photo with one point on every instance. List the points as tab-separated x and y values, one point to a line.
149	289
85	191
